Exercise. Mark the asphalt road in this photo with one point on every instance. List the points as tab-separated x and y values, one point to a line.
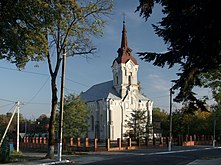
144	157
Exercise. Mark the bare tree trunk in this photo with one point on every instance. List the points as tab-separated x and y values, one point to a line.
51	140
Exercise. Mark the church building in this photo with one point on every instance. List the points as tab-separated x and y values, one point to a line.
112	102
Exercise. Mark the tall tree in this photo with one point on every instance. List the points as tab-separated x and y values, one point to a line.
162	117
213	81
75	117
42	123
191	29
138	125
45	29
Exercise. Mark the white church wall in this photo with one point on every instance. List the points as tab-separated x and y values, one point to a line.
116	119
92	119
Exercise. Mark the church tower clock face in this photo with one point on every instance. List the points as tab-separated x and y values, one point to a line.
129	66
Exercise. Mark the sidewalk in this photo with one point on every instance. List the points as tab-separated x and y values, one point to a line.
39	159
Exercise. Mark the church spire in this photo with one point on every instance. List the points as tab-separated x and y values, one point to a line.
124	42
124	52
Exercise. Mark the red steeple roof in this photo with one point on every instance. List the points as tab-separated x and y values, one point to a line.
124	52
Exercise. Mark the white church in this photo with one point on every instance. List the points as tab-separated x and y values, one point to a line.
112	102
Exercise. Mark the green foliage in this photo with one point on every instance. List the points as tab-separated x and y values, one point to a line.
138	125
41	124
4	120
75	117
193	42
4	151
30	29
191	123
161	117
213	81
45	29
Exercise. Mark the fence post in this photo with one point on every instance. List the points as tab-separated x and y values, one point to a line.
71	141
45	140
108	144
86	143
119	143
129	142
36	140
191	139
40	140
154	141
95	144
24	139
78	142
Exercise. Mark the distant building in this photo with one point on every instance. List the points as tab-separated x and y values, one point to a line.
112	102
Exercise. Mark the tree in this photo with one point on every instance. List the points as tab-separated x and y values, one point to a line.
185	123
42	123
138	125
75	117
191	29
4	121
163	118
41	30
213	81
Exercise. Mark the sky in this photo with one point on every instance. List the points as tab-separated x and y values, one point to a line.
31	86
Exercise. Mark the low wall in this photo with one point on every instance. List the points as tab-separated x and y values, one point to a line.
86	144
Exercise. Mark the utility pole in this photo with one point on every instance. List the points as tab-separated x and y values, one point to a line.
214	131
61	106
6	130
170	136
18	109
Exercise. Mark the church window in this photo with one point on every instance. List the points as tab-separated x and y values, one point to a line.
92	122
116	78
101	121
131	100
129	78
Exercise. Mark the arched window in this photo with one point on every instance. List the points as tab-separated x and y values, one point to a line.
129	79
116	78
92	122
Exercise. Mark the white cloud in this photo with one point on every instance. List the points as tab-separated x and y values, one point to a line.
158	83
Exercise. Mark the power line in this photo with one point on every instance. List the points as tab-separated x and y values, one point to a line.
42	74
2	106
77	82
38	91
11	101
36	73
11	108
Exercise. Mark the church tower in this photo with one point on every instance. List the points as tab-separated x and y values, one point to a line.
125	68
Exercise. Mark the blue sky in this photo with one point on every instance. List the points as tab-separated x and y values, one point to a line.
32	85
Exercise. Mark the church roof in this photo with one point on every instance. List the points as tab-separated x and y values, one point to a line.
141	97
100	91
124	52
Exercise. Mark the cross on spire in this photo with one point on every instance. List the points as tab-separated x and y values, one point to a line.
124	17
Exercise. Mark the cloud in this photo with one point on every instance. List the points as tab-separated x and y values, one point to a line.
158	83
